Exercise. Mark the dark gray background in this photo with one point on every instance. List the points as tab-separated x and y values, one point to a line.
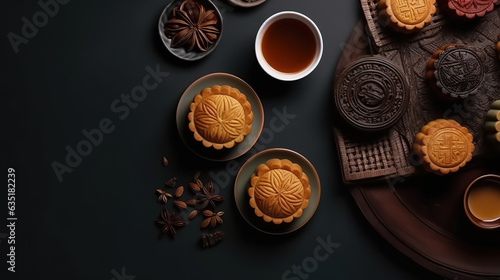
100	218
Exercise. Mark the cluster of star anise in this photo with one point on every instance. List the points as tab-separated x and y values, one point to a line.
204	201
191	26
170	221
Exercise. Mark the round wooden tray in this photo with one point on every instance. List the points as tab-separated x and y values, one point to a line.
424	219
422	215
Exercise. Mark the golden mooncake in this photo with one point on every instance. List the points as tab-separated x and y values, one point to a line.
220	117
407	16
279	191
444	145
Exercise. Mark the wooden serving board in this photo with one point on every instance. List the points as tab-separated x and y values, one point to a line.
422	216
383	156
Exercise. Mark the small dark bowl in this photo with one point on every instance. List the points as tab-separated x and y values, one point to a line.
181	52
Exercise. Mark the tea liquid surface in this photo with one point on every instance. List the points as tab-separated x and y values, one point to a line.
484	201
288	45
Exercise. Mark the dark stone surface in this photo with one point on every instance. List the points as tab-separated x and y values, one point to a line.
65	91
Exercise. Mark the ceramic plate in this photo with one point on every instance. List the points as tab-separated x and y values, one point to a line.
242	184
246	4
183	110
180	52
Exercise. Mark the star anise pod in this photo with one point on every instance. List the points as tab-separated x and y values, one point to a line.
179	191
169	221
180	204
206	197
212	218
192	202
196	175
191	25
192	214
163	196
196	186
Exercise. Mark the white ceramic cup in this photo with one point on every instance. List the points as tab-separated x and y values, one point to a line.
283	75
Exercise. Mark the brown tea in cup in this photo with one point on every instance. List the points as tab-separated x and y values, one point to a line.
482	201
289	45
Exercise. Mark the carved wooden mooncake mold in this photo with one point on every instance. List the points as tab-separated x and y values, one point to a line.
407	16
445	146
371	94
279	191
220	117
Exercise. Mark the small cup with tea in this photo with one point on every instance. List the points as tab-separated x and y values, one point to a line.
482	201
288	46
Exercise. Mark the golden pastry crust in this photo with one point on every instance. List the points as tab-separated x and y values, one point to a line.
407	16
279	191
220	117
444	145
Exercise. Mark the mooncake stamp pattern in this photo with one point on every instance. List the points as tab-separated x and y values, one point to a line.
444	145
380	25
468	9
371	94
407	15
279	191
455	71
220	117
